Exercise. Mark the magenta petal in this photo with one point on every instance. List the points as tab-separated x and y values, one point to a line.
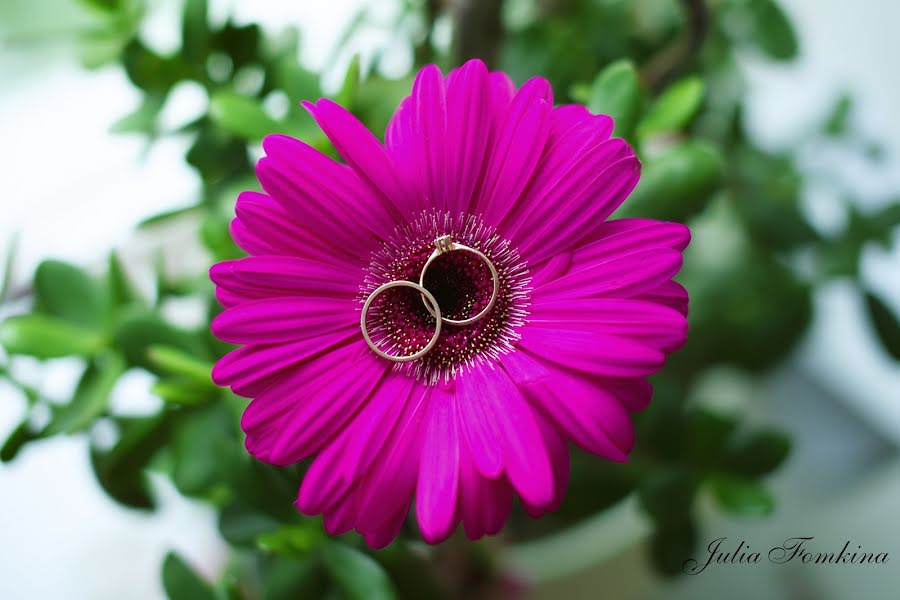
439	469
258	277
592	352
362	151
484	504
625	276
282	319
345	460
590	415
584	207
650	323
251	363
479	429
313	411
516	151
524	455
468	128
670	293
569	167
559	459
391	481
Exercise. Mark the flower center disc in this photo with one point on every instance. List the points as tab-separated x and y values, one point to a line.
461	283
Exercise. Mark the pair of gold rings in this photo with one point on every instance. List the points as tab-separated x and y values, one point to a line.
442	245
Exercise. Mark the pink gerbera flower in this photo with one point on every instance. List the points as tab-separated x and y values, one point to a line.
585	308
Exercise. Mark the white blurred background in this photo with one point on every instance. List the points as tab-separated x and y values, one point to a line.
72	190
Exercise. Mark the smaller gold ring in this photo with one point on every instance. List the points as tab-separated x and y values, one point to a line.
446	244
426	297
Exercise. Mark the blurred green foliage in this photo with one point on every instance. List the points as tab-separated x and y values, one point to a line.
665	69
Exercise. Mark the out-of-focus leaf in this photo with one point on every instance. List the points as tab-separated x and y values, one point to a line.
65	291
358	575
218	155
756	453
674	109
150	71
144	118
667	496
836	123
290	579
241	525
676	184
673	543
772	31
885	323
90	398
742	496
291	540
177	362
707	434
195	32
121	292
167	216
47	337
346	96
616	92
203	444
9	263
120	470
16	440
103	5
240	42
182	583
767	189
242	116
216	236
183	392
135	335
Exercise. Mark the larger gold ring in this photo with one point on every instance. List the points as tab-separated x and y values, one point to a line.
445	244
426	297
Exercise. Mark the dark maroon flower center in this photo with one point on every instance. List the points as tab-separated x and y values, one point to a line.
460	281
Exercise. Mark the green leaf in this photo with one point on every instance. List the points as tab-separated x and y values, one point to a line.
358	575
677	184
772	31
885	323
216	235
135	335
203	446
177	362
16	440
91	396
707	434
195	33
121	292
668	495
742	497
144	118
290	540
616	92
673	543
836	123
346	96
242	116
241	525
150	71
290	579
47	337
183	392
756	453
8	266
120	470
65	291
674	109
181	582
